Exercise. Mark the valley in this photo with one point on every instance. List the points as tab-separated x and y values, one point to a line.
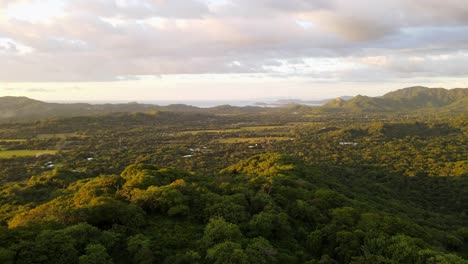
272	185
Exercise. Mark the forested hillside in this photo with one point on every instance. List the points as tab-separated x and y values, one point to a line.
282	186
412	98
266	209
23	108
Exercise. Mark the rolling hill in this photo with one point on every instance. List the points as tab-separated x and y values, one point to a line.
407	99
23	108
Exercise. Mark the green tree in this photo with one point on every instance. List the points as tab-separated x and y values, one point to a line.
139	248
6	256
52	247
218	230
260	251
95	254
314	242
227	253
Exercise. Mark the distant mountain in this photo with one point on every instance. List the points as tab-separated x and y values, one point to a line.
338	102
284	102
460	105
431	97
407	99
23	108
412	98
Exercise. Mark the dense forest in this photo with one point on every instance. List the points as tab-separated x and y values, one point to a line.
296	184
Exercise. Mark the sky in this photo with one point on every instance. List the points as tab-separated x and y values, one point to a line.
229	49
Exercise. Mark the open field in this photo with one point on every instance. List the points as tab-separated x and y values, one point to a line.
58	135
250	140
12	140
196	132
25	153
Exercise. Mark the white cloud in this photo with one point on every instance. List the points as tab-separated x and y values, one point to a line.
33	10
138	9
103	40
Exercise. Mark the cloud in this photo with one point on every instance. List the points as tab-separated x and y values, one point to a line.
8	46
429	65
139	9
435	12
6	3
107	40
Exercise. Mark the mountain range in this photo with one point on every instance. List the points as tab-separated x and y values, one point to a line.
285	102
407	99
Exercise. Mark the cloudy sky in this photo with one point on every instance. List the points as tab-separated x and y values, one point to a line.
229	49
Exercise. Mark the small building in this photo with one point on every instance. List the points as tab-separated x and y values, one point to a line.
348	143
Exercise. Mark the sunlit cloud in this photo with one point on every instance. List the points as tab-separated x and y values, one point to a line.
155	43
35	10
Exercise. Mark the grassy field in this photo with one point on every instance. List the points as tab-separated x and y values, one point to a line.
12	140
249	140
58	135
195	132
25	153
260	128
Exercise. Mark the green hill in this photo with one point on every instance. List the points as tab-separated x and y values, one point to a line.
23	108
407	99
427	97
338	102
460	105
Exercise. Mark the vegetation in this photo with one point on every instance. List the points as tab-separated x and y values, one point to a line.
289	185
25	153
413	98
